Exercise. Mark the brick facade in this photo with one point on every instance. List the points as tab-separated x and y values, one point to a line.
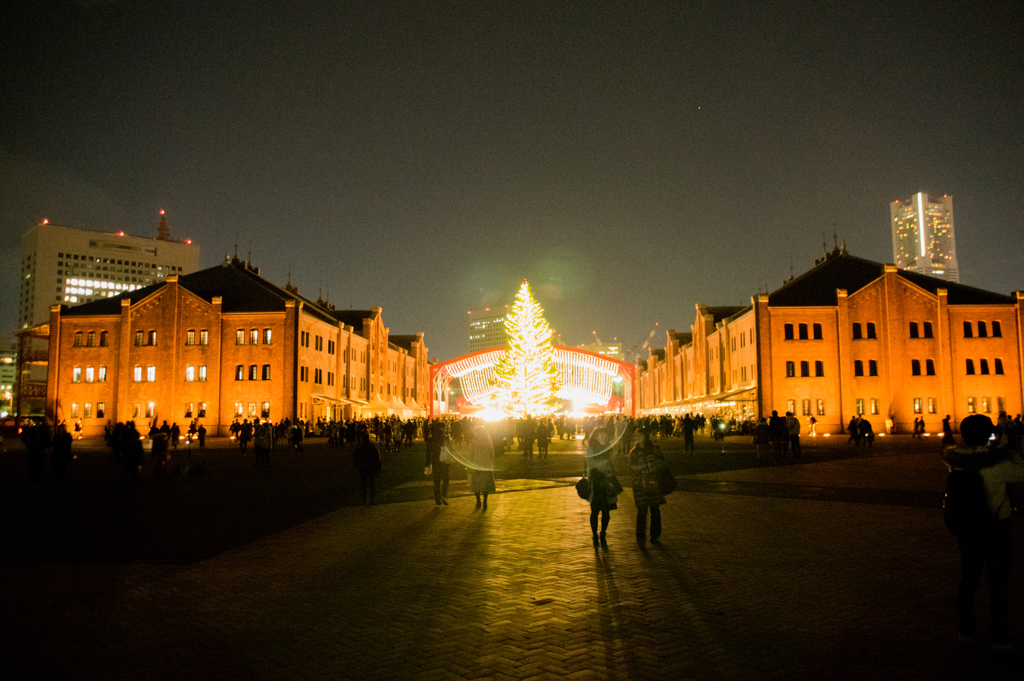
850	336
187	349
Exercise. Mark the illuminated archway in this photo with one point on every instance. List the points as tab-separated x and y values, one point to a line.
585	377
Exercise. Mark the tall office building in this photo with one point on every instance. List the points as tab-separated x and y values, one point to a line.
71	266
487	328
922	236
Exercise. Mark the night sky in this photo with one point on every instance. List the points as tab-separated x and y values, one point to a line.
629	161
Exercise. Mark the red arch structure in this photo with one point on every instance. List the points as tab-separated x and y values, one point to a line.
582	375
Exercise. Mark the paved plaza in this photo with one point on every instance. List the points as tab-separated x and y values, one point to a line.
827	568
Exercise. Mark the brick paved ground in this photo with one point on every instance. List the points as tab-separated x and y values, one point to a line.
837	568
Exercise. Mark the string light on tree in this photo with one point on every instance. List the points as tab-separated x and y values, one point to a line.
526	379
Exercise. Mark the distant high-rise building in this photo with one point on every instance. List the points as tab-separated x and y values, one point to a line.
922	236
69	266
487	328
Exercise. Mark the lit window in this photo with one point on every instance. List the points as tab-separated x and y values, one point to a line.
805	406
152	338
917	405
137	374
88	410
90	340
190	373
790	369
252	372
240	337
78	339
151	373
140	338
240	372
874	405
860	406
76	375
202	372
931	405
103	343
74	410
102	376
266	336
204	337
970	406
254	336
90	374
266	372
150	409
190	337
238	409
101	409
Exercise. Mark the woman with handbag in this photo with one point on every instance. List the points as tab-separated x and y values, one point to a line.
646	464
604	487
481	465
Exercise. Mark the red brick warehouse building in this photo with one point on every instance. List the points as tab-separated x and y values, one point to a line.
224	344
849	336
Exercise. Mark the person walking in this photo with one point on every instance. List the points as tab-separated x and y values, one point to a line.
437	440
762	441
61	455
480	461
201	432
793	428
947	433
989	545
366	458
600	472
645	464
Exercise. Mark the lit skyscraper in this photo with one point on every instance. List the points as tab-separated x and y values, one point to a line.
922	236
487	328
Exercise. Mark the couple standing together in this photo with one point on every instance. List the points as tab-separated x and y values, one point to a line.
479	462
645	462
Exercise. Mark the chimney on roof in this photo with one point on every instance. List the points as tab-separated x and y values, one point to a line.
163	232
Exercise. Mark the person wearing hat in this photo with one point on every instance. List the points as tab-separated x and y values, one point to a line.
990	547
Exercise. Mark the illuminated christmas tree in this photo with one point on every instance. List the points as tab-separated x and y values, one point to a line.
526	377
